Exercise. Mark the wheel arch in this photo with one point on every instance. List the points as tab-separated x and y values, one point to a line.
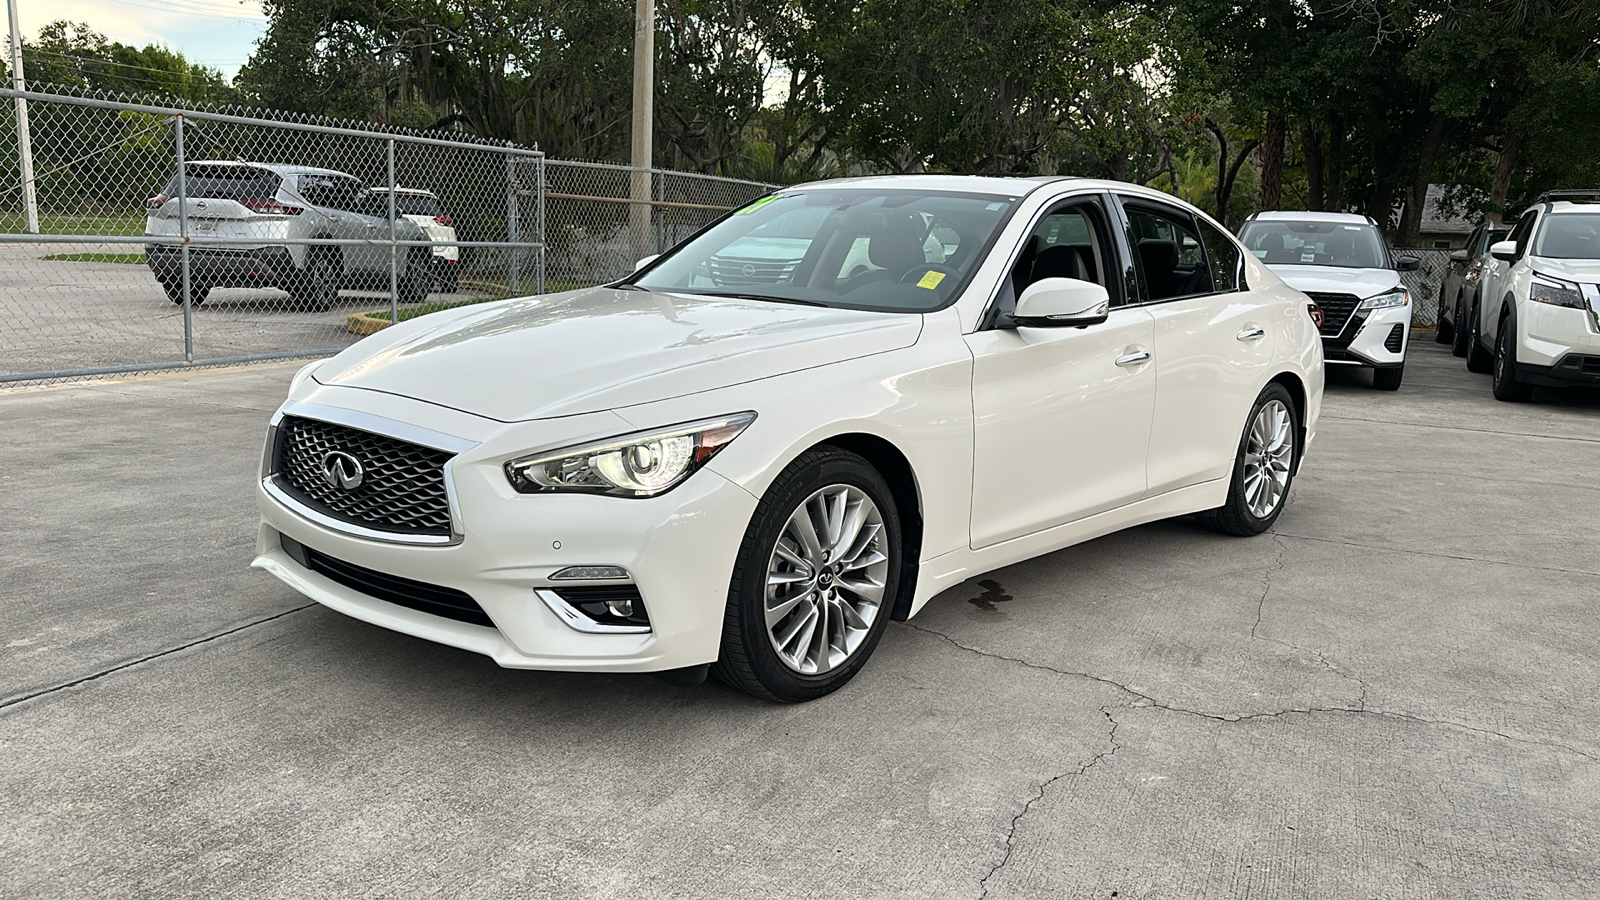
1297	393
896	469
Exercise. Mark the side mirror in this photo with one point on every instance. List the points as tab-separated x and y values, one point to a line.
1460	256
646	261
1505	251
1061	303
1407	264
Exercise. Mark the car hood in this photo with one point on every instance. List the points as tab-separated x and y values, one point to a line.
1363	283
1584	270
600	348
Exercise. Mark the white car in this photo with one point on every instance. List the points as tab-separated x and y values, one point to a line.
243	216
667	475
422	208
1535	319
1342	262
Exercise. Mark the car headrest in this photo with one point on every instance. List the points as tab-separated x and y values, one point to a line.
1057	262
897	246
1340	245
1158	255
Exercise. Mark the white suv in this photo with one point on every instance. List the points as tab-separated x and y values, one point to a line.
238	204
1534	323
1342	262
422	207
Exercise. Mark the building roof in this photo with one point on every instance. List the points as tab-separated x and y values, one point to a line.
1434	221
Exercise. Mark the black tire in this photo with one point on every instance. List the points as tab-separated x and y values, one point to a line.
197	292
1235	516
414	282
1443	332
317	286
1504	380
1458	343
748	660
445	277
1479	359
1388	379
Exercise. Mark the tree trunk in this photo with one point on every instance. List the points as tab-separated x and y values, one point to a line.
1510	157
1333	185
1311	142
1272	163
1417	196
1384	170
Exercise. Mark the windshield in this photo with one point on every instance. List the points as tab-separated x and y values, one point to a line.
1569	236
857	248
1280	242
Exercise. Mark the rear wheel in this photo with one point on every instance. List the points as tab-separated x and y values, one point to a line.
1506	384
197	292
1263	469
417	278
1479	359
1443	331
814	581
317	287
1458	343
1388	379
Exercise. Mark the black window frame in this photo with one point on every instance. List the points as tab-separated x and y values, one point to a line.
1104	224
1125	202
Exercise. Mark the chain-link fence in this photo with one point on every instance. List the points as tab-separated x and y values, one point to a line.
161	237
1424	284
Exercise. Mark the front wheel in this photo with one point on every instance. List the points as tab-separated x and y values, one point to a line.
1263	468
1479	359
197	292
1505	382
1443	332
1388	379
814	581
1458	344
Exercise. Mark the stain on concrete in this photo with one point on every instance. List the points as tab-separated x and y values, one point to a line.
992	593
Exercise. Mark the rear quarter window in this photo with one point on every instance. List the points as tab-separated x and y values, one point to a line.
226	183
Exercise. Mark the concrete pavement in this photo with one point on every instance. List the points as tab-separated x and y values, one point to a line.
1392	695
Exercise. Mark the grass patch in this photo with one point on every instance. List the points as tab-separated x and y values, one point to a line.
88	225
135	259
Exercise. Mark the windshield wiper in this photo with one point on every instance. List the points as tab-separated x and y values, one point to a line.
764	297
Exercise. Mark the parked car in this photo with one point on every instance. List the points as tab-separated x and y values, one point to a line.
1534	322
667	475
422	208
251	210
1342	262
1460	286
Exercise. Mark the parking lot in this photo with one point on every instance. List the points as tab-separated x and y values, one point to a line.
1393	694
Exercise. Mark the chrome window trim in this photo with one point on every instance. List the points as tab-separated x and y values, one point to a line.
571	617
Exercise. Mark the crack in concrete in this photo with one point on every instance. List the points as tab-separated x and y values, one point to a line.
1039	794
55	688
1361	710
1322	658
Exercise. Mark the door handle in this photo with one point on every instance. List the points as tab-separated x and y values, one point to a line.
1138	357
1253	333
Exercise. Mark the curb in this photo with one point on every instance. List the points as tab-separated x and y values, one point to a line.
365	323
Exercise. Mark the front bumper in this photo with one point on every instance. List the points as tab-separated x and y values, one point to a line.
679	549
1373	338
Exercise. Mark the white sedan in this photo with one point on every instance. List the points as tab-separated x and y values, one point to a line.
750	469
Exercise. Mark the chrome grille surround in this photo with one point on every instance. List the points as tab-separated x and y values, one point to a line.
402	491
1336	310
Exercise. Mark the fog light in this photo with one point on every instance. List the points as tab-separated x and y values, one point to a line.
622	609
590	573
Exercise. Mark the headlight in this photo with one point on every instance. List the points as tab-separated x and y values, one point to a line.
1396	297
303	374
1555	292
634	465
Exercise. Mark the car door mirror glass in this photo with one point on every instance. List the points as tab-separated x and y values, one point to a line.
1062	302
1506	251
1407	264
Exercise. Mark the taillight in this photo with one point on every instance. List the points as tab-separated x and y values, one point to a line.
270	207
156	202
444	220
1316	314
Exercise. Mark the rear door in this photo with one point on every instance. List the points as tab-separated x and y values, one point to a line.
1213	341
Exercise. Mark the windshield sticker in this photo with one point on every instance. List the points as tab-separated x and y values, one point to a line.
1259	254
758	204
931	280
994	206
1308	256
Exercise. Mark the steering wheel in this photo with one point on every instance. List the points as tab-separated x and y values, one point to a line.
919	274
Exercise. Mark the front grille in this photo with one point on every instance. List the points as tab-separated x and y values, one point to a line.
730	270
1336	310
433	599
401	488
1396	335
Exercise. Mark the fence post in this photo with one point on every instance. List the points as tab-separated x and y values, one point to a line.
539	204
394	248
183	248
660	214
514	283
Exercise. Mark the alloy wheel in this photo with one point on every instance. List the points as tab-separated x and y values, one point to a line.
825	579
1269	452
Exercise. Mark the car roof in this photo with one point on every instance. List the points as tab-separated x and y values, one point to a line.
276	168
421	192
994	185
1307	215
1557	207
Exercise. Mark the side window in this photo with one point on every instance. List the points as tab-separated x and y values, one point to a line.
316	190
1226	274
1523	232
1071	241
1167	250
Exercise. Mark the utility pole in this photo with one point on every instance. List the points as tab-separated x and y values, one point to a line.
644	65
24	140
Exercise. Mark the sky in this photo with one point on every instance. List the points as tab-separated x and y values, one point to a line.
220	34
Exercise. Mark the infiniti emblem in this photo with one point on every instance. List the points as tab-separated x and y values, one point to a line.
342	470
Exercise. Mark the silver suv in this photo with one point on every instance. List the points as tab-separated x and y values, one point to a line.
271	203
